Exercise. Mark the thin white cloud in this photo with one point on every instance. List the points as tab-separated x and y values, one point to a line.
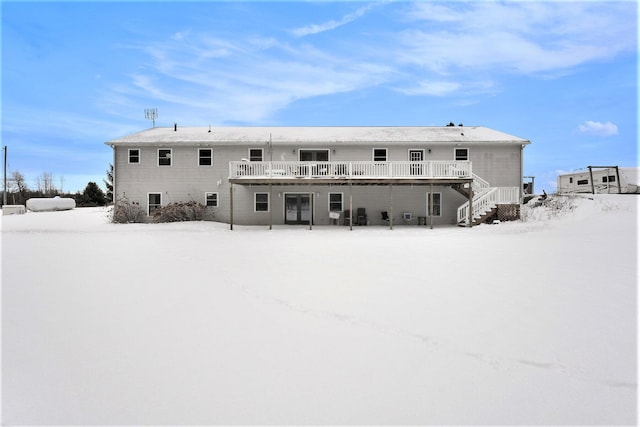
330	25
520	37
598	128
433	88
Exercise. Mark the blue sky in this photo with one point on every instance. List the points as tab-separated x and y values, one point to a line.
76	74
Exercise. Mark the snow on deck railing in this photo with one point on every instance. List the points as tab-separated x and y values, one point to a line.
357	169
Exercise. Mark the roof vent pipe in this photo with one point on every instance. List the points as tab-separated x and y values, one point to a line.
175	127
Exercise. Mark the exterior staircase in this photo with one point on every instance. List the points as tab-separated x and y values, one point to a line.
485	200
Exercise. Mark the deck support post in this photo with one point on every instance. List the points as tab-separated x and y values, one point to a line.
311	210
230	206
270	207
470	224
350	206
390	206
430	203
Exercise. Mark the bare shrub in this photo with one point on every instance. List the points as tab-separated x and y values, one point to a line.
177	212
125	212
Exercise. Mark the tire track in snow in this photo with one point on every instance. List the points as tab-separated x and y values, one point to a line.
434	344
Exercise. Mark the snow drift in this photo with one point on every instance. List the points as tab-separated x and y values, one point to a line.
530	322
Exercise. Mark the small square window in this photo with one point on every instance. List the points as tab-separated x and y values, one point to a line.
255	154
379	154
261	202
211	200
205	157
164	157
134	155
461	154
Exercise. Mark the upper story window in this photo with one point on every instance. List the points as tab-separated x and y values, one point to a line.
379	154
461	154
583	181
255	154
610	178
134	155
314	155
205	157
164	157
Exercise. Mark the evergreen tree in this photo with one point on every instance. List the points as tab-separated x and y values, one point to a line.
91	196
109	184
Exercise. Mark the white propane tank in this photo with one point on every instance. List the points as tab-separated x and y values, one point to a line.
50	204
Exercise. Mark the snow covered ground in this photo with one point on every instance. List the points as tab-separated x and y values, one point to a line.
531	322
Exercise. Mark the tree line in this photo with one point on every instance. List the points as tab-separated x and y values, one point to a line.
18	191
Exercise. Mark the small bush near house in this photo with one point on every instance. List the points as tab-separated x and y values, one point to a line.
125	212
176	212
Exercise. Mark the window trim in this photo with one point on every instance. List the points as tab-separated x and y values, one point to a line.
149	213
170	150
255	202
300	150
386	154
129	156
200	157
439	204
256	149
206	199
455	154
341	201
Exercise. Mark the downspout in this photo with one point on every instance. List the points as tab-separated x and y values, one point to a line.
114	191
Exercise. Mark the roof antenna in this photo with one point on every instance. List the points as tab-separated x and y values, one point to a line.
151	114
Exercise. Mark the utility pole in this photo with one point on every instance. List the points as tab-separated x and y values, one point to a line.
4	193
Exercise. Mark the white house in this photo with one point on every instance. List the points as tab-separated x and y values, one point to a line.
323	175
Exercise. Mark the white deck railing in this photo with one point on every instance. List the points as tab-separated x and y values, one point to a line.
486	200
358	169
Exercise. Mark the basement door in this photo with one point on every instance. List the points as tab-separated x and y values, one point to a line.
297	208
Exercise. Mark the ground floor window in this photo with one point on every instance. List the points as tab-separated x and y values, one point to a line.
211	199
437	204
261	202
335	202
155	202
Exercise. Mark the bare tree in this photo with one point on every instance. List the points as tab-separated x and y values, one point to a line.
45	185
18	187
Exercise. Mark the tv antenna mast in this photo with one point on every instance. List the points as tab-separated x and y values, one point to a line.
151	114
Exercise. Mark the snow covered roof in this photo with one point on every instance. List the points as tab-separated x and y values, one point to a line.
296	135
